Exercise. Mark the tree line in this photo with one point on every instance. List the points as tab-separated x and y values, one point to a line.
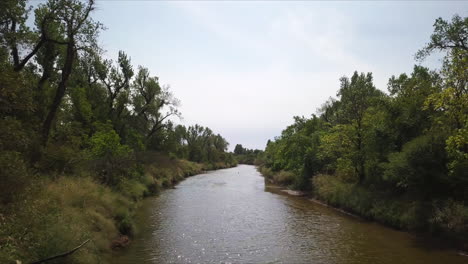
245	155
63	104
409	143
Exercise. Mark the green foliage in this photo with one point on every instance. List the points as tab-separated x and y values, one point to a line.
447	35
280	177
246	156
111	159
200	144
125	223
14	175
400	158
78	208
372	205
450	217
419	166
106	144
72	126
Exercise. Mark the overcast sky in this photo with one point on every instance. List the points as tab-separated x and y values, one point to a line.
244	69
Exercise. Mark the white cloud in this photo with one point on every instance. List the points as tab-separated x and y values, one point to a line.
267	97
246	68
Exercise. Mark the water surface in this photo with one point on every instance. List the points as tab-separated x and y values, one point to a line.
230	216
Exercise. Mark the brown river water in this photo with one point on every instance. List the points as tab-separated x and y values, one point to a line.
230	216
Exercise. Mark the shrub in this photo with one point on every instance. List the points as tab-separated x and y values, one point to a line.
133	189
388	209
124	222
419	167
60	158
450	217
284	178
111	159
14	175
301	181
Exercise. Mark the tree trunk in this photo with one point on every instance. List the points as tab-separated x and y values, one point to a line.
14	49
360	161
66	71
40	92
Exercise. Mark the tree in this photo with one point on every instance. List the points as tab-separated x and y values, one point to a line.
452	100
152	104
408	117
238	149
447	36
116	79
15	34
356	96
78	31
111	157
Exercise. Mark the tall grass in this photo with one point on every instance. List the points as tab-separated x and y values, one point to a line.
447	218
58	213
282	177
59	216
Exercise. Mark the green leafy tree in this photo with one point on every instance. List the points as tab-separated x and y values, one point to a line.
77	31
451	102
152	104
110	156
238	149
356	96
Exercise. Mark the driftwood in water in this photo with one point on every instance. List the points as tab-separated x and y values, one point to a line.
61	255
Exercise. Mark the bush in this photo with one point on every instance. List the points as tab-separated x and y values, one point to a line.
419	167
60	158
282	177
301	181
266	172
394	211
14	175
124	222
450	217
133	189
111	159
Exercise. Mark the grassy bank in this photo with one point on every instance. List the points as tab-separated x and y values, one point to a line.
442	218
283	178
58	213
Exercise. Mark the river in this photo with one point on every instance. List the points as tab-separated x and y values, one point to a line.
230	216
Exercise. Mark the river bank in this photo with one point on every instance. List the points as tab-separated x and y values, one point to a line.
59	213
401	213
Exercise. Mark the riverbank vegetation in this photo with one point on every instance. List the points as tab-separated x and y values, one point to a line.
84	138
399	157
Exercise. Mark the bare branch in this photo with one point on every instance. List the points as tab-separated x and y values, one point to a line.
63	254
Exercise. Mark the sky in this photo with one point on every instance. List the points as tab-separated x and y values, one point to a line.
245	68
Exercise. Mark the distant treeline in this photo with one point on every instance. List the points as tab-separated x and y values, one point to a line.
400	157
245	155
77	131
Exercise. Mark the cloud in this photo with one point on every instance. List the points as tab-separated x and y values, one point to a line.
245	69
302	57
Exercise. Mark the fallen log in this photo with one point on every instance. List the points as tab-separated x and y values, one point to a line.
63	254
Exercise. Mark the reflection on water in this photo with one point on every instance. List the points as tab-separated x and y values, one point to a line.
230	216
